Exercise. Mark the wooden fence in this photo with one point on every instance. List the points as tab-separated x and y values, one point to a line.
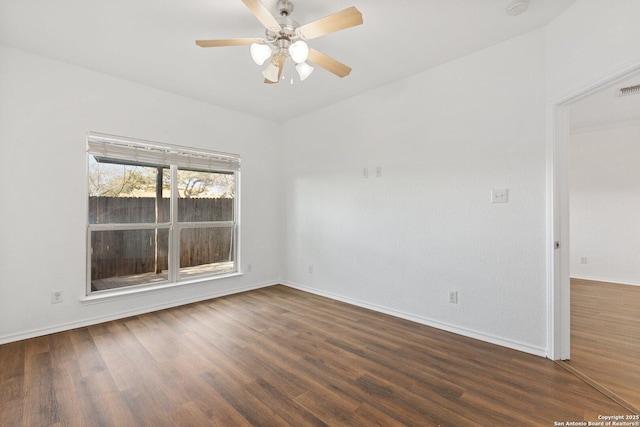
118	253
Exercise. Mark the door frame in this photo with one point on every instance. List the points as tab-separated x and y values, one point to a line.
558	224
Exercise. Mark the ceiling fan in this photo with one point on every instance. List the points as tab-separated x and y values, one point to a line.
285	37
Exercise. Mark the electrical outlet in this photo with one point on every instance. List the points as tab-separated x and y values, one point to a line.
583	260
248	268
56	297
365	172
453	297
378	171
311	269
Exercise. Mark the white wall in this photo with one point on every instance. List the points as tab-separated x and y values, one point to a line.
605	201
46	107
591	41
443	138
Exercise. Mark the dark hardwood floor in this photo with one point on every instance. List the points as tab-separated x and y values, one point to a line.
278	356
605	336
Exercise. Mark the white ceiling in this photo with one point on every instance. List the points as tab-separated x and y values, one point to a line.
152	42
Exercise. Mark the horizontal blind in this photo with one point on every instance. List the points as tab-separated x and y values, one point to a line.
121	148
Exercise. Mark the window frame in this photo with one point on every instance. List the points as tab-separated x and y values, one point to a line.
143	153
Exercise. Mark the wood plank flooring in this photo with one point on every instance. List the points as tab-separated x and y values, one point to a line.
278	356
605	335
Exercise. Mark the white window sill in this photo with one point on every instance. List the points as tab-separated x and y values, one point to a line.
103	296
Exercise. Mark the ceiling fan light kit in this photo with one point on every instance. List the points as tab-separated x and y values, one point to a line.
284	38
304	70
272	71
299	51
260	53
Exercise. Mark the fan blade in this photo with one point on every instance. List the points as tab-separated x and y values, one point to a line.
347	18
262	13
328	63
281	59
227	42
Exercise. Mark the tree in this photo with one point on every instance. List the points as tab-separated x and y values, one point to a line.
118	180
205	184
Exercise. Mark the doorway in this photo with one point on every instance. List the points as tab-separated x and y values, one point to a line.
585	185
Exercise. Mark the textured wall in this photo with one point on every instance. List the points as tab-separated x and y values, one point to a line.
444	139
605	201
46	108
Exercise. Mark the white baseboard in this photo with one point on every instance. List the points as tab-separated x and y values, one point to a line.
124	314
526	348
148	309
604	279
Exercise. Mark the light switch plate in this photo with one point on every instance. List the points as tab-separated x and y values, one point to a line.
499	196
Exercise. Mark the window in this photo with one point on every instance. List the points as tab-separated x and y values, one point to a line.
158	214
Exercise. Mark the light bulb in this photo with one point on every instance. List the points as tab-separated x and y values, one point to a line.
299	51
271	72
304	70
260	53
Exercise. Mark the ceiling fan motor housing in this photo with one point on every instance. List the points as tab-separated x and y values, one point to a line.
285	7
287	32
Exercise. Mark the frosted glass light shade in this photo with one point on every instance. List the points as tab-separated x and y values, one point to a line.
260	53
304	70
299	52
272	71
